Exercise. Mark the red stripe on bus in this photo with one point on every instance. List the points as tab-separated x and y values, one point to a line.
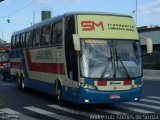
56	68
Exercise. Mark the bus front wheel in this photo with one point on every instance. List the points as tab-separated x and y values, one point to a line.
59	94
23	84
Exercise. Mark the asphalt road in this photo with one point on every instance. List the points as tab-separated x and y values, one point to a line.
34	105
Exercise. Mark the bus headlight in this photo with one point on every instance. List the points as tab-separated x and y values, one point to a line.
88	86
137	85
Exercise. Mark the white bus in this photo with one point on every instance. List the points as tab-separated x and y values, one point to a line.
81	57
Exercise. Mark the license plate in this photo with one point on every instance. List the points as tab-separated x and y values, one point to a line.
115	96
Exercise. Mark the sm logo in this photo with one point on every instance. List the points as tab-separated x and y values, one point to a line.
91	25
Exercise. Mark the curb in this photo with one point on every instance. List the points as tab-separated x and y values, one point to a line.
151	78
151	75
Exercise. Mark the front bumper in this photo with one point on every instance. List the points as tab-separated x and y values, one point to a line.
98	97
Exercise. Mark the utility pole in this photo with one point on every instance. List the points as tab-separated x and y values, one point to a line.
1	31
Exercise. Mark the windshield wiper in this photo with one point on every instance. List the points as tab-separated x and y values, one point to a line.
118	58
114	57
107	65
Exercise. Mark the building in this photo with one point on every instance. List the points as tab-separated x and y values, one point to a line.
153	32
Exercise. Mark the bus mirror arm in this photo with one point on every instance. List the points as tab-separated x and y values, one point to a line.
149	45
76	42
78	53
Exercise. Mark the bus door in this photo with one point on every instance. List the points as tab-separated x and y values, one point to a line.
71	56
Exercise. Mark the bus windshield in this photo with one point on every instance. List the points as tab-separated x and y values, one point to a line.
4	57
119	59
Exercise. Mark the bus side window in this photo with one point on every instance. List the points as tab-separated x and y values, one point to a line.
36	37
13	42
23	40
45	35
17	41
56	37
71	56
29	39
20	41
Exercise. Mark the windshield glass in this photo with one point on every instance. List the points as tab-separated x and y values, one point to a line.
4	57
110	58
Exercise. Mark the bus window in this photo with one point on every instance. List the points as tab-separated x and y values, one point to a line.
17	41
13	42
22	40
29	39
36	37
71	57
56	34
23	44
45	35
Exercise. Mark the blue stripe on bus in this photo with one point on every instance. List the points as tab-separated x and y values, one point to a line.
70	94
97	97
79	95
42	86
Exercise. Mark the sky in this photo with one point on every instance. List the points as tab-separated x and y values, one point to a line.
22	12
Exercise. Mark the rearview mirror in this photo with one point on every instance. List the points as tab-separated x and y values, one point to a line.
149	44
76	42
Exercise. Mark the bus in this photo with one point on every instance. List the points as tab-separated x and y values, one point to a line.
5	62
4	57
81	57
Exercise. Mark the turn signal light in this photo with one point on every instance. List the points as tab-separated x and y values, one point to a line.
102	83
127	82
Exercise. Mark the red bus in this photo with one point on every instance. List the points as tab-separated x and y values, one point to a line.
4	57
5	62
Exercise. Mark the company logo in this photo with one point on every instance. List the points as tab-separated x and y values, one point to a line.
91	25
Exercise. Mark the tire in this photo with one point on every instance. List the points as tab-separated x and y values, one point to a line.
59	94
23	84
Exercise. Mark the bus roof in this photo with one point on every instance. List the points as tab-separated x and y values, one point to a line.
60	17
95	13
